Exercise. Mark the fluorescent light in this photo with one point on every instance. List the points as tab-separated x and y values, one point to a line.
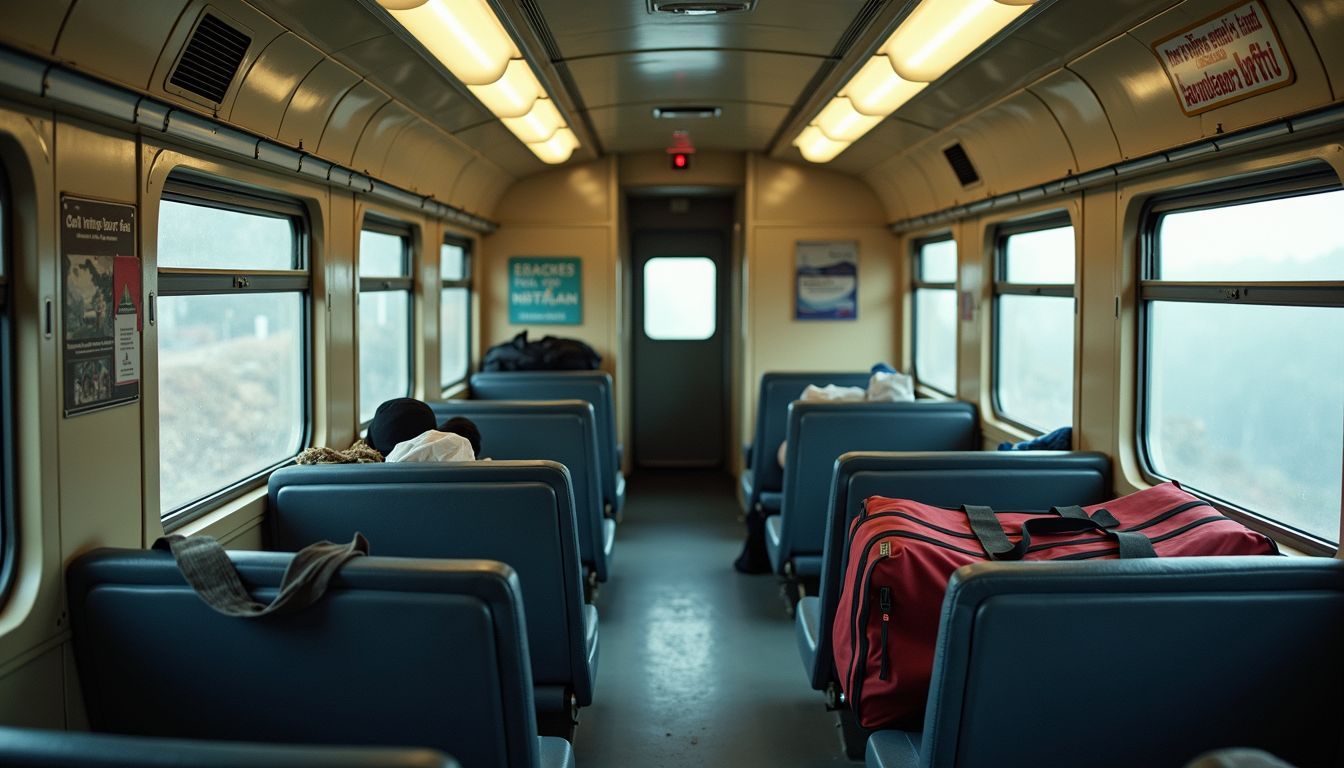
539	124
876	89
556	149
513	94
940	33
841	122
463	35
816	147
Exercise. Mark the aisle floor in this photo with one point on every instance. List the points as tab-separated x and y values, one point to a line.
698	665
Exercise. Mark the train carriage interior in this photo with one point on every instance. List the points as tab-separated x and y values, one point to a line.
613	383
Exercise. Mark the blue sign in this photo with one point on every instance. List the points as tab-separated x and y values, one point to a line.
545	290
827	281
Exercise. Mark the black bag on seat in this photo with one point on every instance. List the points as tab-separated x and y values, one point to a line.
552	353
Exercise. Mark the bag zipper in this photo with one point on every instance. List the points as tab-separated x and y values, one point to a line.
884	605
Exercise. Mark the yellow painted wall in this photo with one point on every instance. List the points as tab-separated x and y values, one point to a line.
788	203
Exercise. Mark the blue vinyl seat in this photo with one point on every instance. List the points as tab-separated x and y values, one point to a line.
819	432
399	651
1122	663
31	748
517	512
563	431
762	478
593	386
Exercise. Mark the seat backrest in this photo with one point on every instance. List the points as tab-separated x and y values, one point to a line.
30	748
820	432
1142	662
517	512
563	431
778	389
592	386
1009	480
399	651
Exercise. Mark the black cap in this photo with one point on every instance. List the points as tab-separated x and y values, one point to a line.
398	420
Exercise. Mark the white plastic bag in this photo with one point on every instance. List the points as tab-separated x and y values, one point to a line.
831	393
433	445
891	387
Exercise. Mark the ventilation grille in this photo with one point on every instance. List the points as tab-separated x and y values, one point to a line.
961	165
700	8
210	60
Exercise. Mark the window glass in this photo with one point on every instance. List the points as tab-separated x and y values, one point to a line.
383	255
452	261
1246	403
231	390
938	261
194	236
232	393
1293	238
384	349
680	301
936	338
1034	328
1035	372
454	334
7	404
1041	257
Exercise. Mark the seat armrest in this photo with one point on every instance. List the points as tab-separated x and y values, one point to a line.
554	752
892	749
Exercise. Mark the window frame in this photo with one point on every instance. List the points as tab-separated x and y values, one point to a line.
9	496
1002	287
182	281
1296	181
465	283
918	283
375	222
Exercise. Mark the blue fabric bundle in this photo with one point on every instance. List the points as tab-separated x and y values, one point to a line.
1059	440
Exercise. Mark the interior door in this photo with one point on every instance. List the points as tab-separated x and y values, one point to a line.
680	343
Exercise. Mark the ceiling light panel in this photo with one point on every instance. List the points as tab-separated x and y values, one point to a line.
940	33
816	147
935	37
513	94
467	38
877	90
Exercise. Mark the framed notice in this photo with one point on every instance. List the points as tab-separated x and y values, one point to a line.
1232	55
827	280
546	290
100	304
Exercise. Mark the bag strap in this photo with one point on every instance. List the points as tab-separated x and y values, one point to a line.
989	531
207	568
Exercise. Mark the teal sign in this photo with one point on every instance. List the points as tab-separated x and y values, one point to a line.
545	290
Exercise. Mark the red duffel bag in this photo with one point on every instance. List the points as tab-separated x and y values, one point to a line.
901	554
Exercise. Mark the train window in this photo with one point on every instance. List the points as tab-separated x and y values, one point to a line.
935	314
679	298
1033	324
385	304
454	313
232	320
1244	382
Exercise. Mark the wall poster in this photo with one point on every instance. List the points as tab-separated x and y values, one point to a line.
100	306
827	280
545	290
1233	55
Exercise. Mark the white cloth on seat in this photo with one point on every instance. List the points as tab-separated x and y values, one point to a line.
433	445
832	393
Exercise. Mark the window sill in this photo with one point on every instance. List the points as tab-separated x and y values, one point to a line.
230	520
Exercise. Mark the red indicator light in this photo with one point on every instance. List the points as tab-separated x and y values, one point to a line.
680	161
